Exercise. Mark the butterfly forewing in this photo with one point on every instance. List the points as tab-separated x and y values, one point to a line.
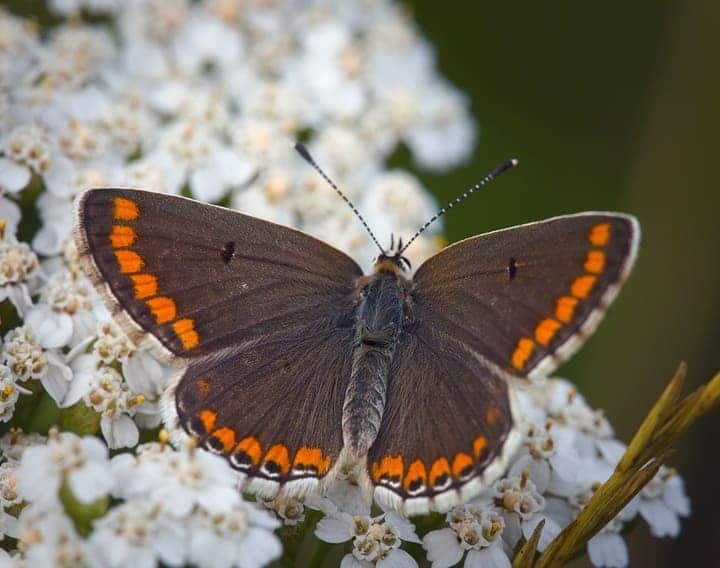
201	278
525	298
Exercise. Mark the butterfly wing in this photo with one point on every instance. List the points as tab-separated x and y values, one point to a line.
447	429
274	408
515	302
263	315
201	278
524	299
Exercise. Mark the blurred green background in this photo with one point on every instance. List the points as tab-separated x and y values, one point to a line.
609	106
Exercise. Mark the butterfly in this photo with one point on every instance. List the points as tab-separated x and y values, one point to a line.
295	363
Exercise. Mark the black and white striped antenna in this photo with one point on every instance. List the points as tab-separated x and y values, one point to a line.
506	165
305	153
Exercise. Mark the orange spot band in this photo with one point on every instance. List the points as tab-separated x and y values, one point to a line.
208	417
565	308
546	330
125	209
479	446
416	475
599	235
226	437
595	262
122	236
522	352
279	455
307	456
163	308
461	463
581	286
251	447
439	468
129	261
390	466
185	330
145	285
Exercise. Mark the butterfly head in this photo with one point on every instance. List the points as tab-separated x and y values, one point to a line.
392	259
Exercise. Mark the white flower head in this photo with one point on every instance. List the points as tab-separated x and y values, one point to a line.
82	463
49	538
376	540
475	529
66	312
27	359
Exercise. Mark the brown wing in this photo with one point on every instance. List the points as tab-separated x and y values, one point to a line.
526	298
202	278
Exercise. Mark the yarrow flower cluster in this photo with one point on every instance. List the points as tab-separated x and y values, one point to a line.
205	99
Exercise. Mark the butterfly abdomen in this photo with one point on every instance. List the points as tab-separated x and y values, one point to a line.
378	318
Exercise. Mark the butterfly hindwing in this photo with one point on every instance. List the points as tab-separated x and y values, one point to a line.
526	298
201	278
273	408
447	419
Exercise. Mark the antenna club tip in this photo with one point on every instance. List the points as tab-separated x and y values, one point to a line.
301	149
514	162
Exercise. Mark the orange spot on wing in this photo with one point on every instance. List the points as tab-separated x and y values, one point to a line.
391	467
599	235
145	285
492	414
479	446
122	236
279	455
439	468
125	209
565	308
208	417
595	261
581	286
129	261
251	447
416	474
546	330
203	386
226	437
307	456
522	352
185	330
163	308
461	463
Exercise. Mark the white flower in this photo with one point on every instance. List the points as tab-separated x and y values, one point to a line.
49	538
474	530
19	271
662	502
137	533
607	548
14	443
376	541
80	462
9	393
28	360
65	314
241	536
289	509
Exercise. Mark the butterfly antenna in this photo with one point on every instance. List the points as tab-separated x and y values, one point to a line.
305	153
506	165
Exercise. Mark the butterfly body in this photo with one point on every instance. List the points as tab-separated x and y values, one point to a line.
381	314
293	363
